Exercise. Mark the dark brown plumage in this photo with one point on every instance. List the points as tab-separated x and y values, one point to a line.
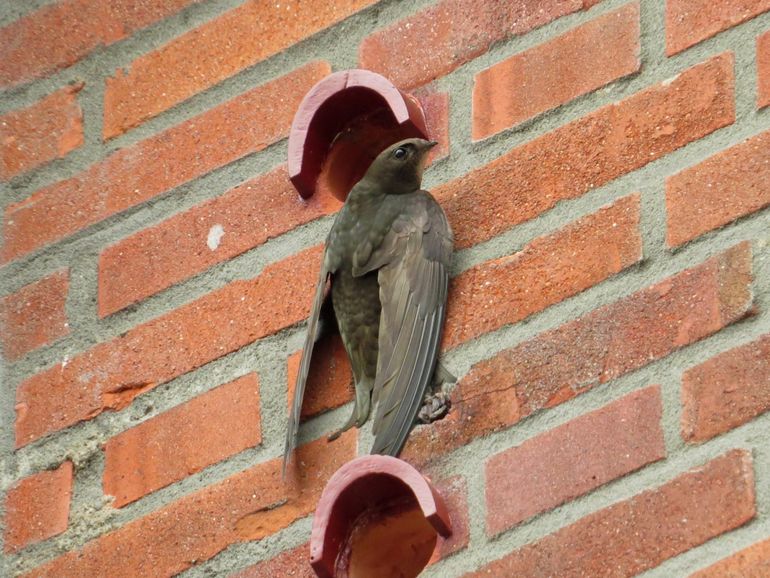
386	263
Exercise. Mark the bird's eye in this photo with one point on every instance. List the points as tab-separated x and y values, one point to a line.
399	153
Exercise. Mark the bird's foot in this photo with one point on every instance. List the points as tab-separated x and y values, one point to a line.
434	407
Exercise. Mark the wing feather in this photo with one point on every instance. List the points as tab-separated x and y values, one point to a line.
313	327
413	263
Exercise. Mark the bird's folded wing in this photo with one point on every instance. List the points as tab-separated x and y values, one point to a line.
304	364
413	263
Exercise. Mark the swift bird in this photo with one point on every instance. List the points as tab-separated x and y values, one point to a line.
386	263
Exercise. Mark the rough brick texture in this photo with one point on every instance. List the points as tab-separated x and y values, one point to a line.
435	41
47	130
110	375
546	271
37	507
726	391
729	185
625	136
330	380
199	59
194	240
294	563
573	459
246	506
643	531
691	21
139	172
454	492
60	34
763	70
554	73
34	315
751	562
183	440
613	340
604	168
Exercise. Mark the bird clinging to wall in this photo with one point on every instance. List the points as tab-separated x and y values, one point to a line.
386	263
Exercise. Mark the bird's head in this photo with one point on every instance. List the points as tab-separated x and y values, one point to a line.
400	165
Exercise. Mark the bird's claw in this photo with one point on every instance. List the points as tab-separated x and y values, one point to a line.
434	407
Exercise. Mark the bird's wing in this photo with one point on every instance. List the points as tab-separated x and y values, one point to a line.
313	329
413	262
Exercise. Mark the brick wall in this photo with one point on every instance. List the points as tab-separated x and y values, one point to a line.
605	166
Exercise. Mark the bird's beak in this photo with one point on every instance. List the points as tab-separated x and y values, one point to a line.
431	144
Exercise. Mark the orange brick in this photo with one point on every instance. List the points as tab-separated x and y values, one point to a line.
435	106
294	563
642	532
139	172
110	375
548	270
454	492
192	241
330	380
573	459
58	35
554	73
38	507
560	165
47	130
34	316
689	22
609	342
183	440
751	562
246	506
724	187
435	41
199	59
726	391
763	70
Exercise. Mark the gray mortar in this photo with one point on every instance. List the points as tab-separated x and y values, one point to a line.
92	516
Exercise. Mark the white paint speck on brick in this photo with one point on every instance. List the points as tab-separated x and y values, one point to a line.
215	236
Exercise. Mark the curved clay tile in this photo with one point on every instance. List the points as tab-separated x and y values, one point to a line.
342	124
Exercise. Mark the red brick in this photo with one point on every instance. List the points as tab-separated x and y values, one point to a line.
726	391
724	187
137	173
330	380
454	492
435	41
689	22
573	459
34	316
751	562
110	375
624	137
199	59
554	73
294	563
183	440
546	271
609	342
58	35
46	130
246	506
642	532
763	70
37	507
435	106
187	243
